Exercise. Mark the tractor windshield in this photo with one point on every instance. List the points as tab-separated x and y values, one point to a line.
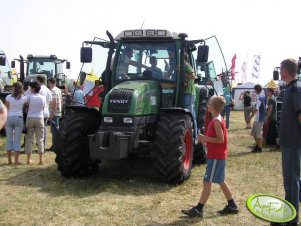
151	60
41	66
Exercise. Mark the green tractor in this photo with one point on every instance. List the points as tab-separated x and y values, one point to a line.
142	113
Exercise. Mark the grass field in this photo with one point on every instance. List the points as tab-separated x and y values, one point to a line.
128	193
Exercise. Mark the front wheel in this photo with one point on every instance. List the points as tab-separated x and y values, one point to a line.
72	152
174	147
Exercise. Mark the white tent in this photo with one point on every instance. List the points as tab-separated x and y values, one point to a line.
236	92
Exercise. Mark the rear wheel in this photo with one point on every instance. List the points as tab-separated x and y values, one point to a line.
72	147
174	147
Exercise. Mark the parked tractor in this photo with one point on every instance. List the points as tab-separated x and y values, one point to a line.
48	66
142	110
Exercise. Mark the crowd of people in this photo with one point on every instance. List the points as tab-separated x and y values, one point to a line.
32	110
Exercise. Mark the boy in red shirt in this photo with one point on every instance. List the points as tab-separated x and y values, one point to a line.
216	140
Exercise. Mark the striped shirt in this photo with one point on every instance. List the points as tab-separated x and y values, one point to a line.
56	95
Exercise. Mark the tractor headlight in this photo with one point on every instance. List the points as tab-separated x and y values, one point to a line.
128	120
108	119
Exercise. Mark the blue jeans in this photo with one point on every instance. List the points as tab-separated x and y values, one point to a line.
45	132
291	175
14	127
54	128
188	103
226	111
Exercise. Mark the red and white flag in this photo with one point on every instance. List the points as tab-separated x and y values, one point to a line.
233	67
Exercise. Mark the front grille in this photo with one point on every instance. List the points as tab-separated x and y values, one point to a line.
120	100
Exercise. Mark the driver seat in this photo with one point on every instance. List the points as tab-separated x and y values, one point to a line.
147	75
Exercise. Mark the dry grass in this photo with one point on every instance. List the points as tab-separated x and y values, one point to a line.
128	193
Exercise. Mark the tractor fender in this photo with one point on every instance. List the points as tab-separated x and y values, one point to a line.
177	110
81	108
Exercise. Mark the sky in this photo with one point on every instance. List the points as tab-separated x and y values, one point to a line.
268	28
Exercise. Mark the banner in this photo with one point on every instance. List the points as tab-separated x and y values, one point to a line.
256	67
233	67
243	72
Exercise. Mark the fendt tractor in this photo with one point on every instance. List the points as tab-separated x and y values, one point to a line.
142	109
48	66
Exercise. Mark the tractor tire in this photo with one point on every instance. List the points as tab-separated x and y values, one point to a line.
174	147
200	150
72	145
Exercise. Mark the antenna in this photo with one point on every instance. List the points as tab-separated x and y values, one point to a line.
142	24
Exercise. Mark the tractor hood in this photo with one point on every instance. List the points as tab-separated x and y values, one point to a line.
134	98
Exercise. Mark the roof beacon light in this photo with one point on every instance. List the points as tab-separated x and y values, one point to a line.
161	32
150	32
138	32
128	33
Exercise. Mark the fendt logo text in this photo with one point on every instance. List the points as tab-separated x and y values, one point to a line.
119	101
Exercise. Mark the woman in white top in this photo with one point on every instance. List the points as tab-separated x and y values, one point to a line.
14	125
35	121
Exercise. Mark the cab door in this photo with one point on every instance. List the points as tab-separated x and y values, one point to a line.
215	69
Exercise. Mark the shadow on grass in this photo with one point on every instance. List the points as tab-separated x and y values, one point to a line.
184	220
237	129
127	177
242	154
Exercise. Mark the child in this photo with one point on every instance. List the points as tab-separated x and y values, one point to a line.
216	139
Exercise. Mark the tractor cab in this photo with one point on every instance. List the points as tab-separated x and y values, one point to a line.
156	55
50	66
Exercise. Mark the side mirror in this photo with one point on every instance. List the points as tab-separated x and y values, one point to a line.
82	77
2	61
13	64
276	75
86	55
203	52
68	65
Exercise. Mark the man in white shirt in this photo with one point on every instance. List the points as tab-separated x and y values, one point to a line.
44	91
55	112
